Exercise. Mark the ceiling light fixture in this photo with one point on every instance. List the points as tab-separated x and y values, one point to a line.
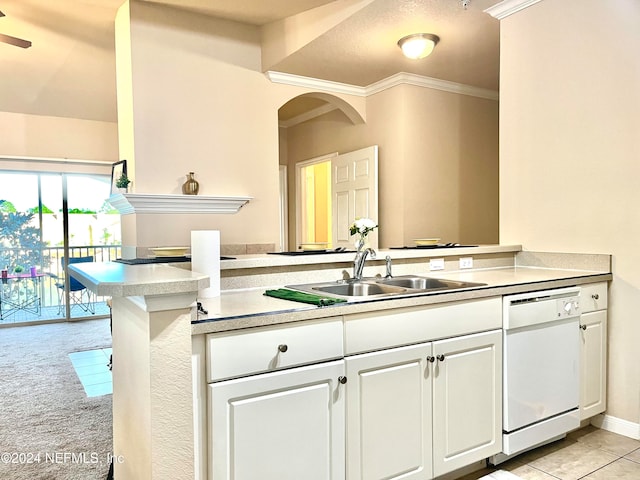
418	45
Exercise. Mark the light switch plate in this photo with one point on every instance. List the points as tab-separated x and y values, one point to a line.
466	262
436	264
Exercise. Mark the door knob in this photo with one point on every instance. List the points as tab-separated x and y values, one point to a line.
595	296
283	347
583	327
440	358
431	359
342	380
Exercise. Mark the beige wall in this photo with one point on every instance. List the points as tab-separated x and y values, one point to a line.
569	150
201	105
199	102
56	137
438	162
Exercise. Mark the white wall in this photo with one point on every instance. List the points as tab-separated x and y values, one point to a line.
569	153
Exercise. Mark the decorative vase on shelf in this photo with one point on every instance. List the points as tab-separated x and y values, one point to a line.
191	186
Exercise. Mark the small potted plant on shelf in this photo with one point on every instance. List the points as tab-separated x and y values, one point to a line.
123	183
18	269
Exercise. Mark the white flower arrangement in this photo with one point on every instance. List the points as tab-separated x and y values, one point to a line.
362	227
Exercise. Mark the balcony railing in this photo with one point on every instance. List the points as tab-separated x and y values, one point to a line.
51	266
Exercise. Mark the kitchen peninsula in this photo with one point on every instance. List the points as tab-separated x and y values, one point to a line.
170	368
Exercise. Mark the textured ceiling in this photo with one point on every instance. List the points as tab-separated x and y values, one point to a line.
363	49
70	69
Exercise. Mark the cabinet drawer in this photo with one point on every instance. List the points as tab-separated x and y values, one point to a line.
593	297
238	353
392	328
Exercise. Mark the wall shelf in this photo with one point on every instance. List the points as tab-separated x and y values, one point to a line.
127	203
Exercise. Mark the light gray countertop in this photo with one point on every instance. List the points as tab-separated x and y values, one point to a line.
113	279
250	308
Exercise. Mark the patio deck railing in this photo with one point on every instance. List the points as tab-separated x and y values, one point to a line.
51	266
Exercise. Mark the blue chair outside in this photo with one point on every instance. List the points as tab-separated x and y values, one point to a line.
79	295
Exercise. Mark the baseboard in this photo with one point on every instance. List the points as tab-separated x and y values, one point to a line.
617	425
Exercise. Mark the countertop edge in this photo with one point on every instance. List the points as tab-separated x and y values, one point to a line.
119	280
274	260
309	312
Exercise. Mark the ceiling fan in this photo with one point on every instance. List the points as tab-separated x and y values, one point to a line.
18	42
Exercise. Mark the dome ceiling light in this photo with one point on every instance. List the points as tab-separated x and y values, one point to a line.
418	45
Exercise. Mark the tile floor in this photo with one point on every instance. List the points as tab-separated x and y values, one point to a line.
92	369
589	453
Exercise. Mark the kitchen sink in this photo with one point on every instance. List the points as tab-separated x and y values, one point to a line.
360	289
382	287
426	283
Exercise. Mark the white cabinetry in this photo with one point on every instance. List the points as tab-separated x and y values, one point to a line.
416	394
593	359
286	425
419	411
389	414
467	393
283	415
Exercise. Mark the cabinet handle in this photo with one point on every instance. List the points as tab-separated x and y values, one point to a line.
440	358
431	359
583	327
283	348
342	380
595	296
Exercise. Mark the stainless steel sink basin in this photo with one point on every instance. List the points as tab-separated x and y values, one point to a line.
382	287
360	289
426	283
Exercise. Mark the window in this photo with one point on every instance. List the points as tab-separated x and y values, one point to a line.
45	218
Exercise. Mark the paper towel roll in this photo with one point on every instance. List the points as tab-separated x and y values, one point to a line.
205	258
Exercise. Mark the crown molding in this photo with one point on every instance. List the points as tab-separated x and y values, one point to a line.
315	83
509	7
401	78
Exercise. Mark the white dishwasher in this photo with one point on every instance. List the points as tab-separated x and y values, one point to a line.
541	376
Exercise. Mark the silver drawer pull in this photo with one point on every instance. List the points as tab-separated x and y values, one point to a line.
283	347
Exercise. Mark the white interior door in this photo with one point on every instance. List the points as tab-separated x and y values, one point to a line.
354	187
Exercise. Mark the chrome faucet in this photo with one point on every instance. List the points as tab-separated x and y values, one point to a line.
388	262
358	263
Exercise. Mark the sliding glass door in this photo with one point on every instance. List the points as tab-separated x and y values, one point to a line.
47	218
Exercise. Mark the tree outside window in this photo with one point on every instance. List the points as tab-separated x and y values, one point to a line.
19	239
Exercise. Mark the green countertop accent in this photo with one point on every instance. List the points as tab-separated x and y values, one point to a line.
295	296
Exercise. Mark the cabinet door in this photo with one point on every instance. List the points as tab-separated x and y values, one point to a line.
467	393
287	425
593	363
389	414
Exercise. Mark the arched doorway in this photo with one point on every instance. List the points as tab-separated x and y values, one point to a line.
305	154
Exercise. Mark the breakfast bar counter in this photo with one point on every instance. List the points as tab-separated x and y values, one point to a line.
159	339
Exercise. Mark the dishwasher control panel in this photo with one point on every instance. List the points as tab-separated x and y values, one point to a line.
568	307
539	307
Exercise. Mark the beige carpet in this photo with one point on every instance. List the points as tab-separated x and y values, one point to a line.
49	429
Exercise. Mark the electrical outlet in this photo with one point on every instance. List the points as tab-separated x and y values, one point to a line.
436	264
466	262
